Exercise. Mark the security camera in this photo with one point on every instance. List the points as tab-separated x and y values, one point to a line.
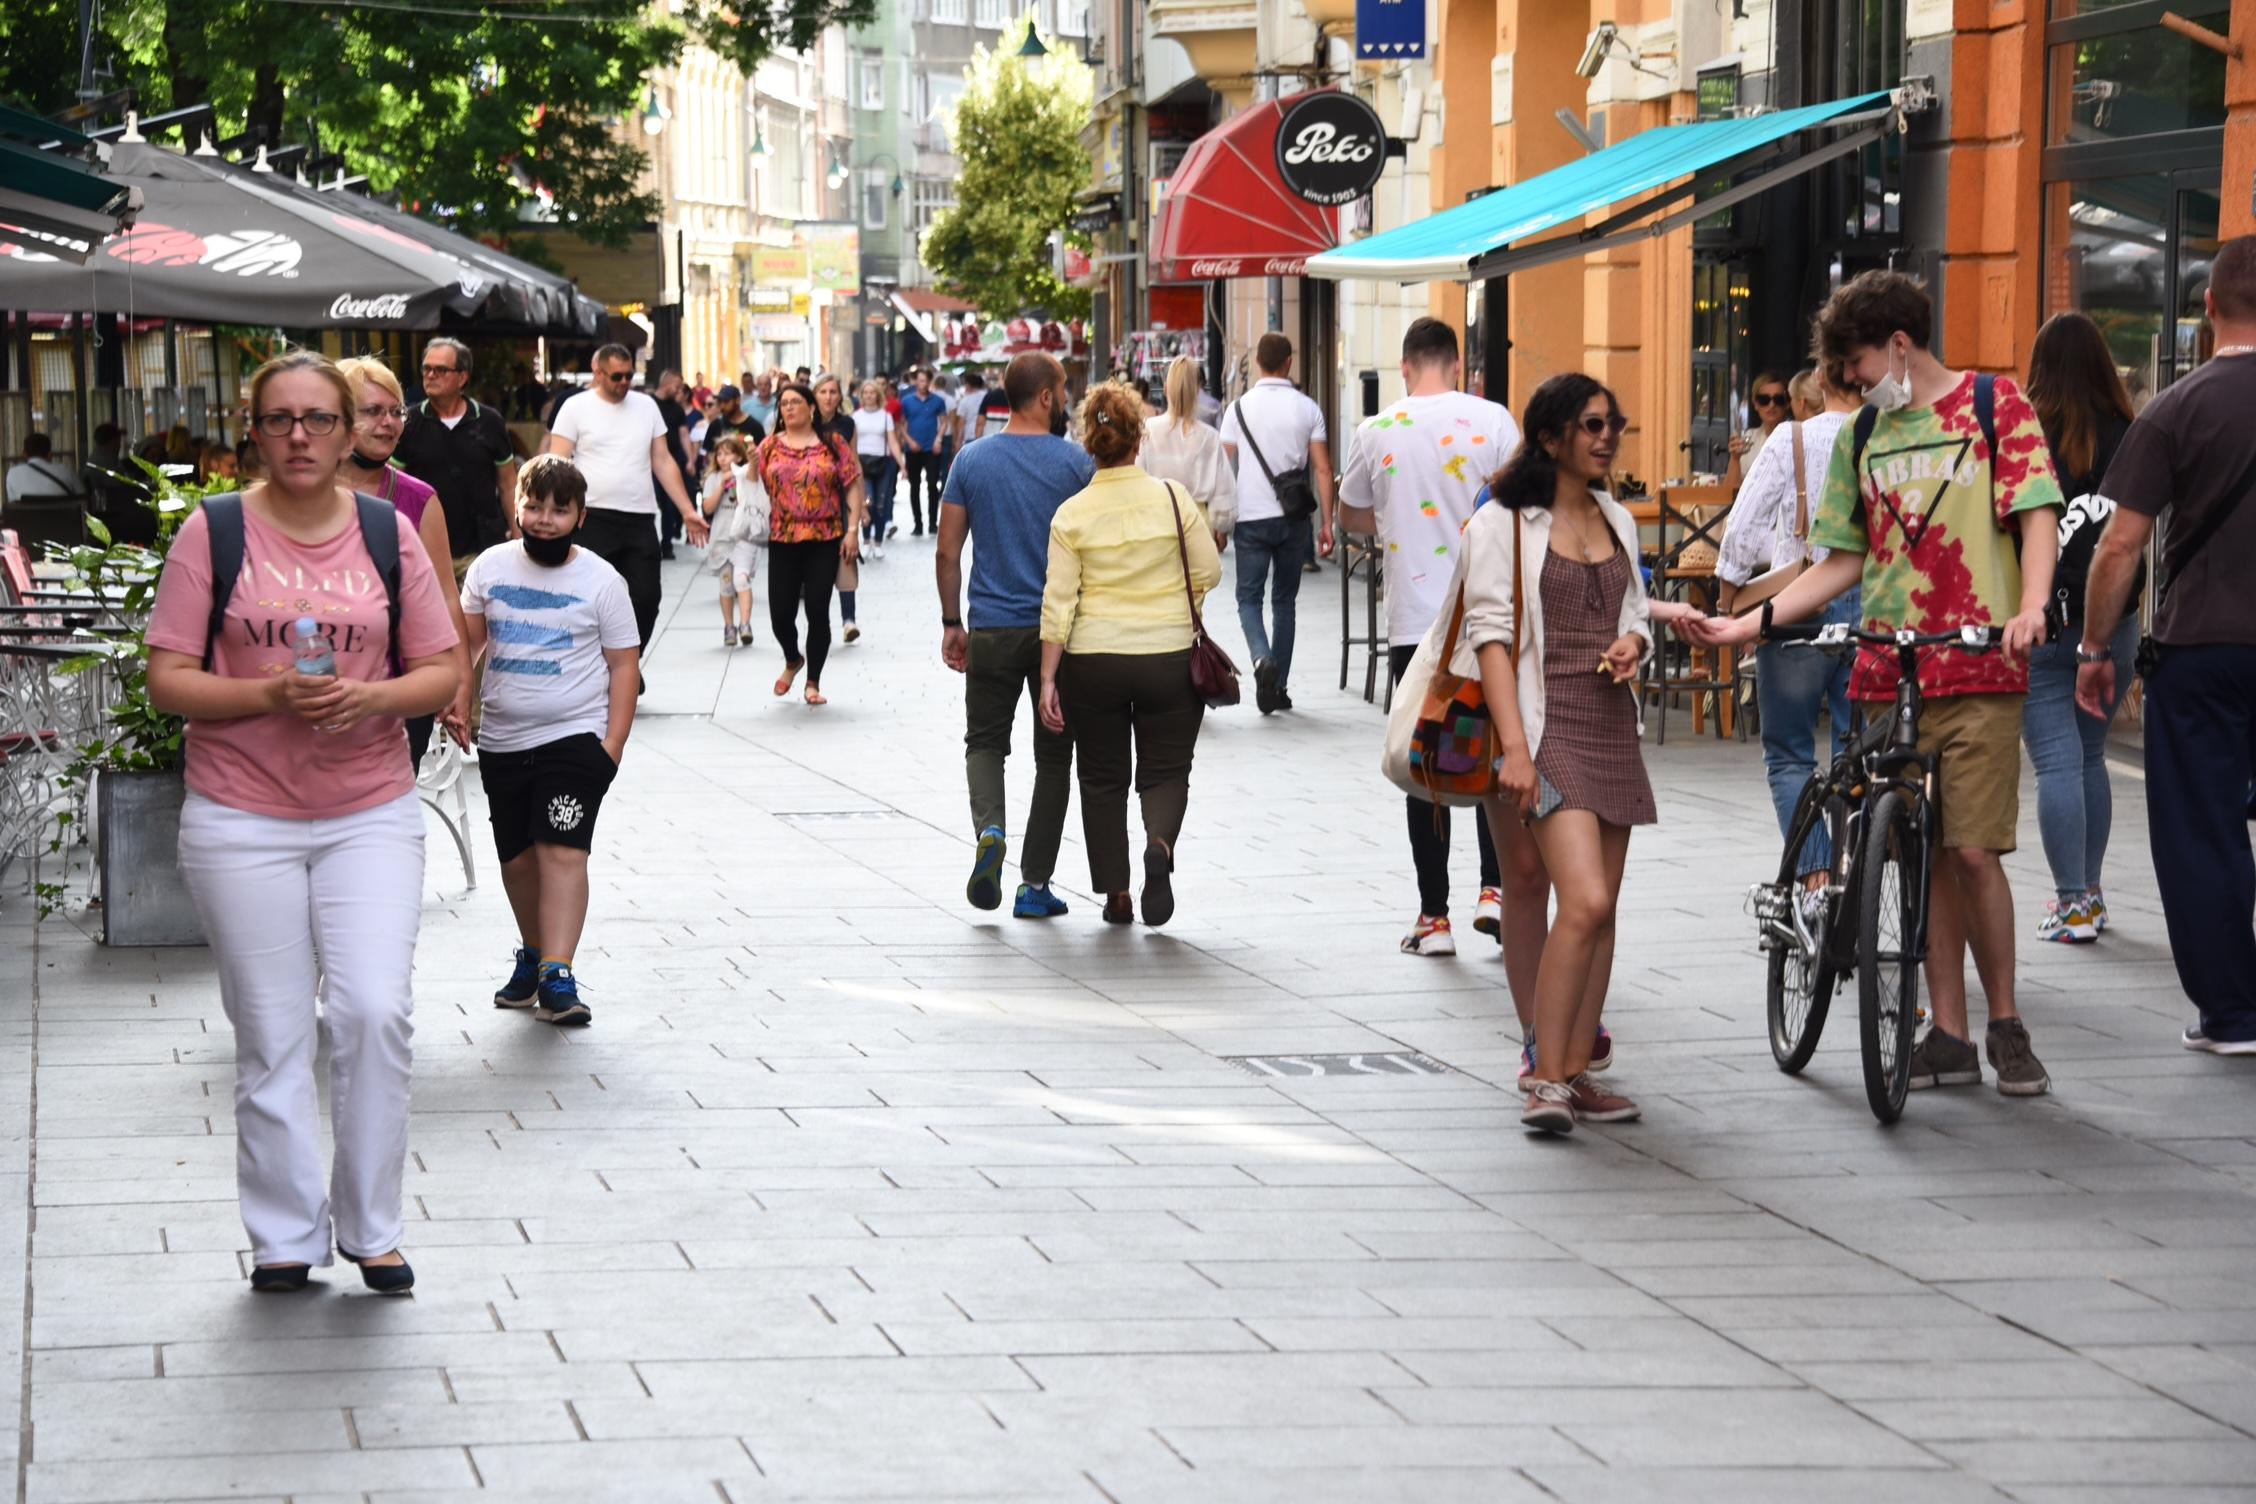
1594	51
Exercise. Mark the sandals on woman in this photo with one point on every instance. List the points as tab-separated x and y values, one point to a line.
815	696
790	677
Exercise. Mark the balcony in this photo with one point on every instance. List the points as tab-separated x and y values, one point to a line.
1218	35
1338	14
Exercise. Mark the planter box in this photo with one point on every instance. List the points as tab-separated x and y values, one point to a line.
137	834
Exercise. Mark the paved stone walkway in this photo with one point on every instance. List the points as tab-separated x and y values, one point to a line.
855	1193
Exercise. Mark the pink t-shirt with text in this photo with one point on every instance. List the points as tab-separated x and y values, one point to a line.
280	764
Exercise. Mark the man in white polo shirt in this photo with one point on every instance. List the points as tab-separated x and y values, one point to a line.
1276	436
618	439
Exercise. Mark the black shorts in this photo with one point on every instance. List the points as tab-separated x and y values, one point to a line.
549	793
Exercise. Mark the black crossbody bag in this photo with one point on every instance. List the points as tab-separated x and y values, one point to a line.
1295	492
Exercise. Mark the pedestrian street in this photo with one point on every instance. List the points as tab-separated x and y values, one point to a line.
854	1192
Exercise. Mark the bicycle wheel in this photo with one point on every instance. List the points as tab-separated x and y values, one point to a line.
1889	896
1801	983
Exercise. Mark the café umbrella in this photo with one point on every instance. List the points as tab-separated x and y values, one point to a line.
219	242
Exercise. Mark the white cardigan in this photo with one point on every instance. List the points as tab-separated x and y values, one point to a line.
1488	597
1189	453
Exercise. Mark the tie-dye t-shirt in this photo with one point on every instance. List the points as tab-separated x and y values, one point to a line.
1937	534
1420	465
546	629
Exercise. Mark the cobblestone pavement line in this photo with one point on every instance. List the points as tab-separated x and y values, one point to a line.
853	1193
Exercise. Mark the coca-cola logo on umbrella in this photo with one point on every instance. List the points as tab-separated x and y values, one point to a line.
238	253
1331	147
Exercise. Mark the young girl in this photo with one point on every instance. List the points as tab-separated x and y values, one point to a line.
1556	625
732	561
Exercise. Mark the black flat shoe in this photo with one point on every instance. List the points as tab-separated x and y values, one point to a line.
1119	909
280	1279
384	1279
1159	893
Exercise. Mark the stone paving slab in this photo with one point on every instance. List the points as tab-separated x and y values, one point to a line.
854	1193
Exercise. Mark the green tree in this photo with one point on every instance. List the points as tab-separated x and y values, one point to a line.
464	107
1017	129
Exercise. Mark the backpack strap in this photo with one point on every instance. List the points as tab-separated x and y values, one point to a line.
223	522
1860	434
1985	414
379	532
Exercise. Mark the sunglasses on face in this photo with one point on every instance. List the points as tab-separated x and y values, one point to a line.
617	378
278	425
1603	428
430	371
1770	399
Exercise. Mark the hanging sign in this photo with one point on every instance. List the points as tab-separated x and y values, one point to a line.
1387	30
1331	147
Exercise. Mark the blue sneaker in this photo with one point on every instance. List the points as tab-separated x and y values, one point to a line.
985	890
523	981
1037	903
560	995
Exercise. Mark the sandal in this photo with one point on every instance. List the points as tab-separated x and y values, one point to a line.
815	696
790	677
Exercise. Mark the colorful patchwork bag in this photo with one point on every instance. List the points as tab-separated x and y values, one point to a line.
1441	740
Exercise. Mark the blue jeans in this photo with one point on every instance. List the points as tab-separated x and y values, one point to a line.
879	477
2075	806
1792	684
1270	552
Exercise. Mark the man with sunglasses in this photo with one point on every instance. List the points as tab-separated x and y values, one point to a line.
460	449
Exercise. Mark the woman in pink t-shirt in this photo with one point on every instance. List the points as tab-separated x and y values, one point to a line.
302	826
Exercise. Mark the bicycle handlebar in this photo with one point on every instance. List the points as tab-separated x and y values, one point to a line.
1967	639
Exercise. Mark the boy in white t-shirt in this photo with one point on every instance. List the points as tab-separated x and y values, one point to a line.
556	631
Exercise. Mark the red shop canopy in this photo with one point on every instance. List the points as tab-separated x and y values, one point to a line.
1227	214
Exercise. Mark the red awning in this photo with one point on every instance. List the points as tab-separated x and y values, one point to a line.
1226	213
925	300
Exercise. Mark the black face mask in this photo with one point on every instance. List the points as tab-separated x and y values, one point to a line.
365	462
549	551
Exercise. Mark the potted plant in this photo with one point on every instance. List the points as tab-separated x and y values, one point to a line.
131	768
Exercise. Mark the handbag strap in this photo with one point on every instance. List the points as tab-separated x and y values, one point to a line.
1457	613
1198	627
1801	487
1245	431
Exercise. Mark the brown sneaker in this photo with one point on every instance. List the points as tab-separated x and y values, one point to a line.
2019	1073
1594	1104
1550	1107
1943	1059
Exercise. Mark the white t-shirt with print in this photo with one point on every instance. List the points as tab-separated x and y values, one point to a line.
1284	421
1420	465
546	629
611	445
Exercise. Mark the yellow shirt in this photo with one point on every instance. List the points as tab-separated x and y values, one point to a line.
1116	572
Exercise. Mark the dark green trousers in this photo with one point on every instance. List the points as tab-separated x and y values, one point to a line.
1003	663
1134	719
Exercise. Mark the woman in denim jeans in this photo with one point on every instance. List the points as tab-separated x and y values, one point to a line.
1769	529
2080	398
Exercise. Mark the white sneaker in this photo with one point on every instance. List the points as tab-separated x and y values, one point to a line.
1488	914
1430	937
2195	1039
877	550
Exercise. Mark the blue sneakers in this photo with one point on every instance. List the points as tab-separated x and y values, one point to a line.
1037	903
560	995
985	890
523	981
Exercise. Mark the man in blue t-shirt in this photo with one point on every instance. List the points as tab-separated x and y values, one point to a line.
923	411
1002	493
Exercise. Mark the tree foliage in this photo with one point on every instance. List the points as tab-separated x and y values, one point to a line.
1017	129
465	107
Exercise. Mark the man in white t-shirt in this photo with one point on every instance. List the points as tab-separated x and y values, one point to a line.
1413	479
1275	430
618	439
38	474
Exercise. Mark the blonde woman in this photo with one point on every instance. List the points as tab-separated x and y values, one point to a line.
1180	448
734	560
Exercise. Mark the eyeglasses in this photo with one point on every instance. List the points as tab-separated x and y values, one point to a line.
438	371
278	425
1609	428
1770	399
384	414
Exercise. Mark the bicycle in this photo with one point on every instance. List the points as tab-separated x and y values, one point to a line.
1880	803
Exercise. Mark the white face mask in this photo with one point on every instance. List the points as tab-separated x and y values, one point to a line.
1891	391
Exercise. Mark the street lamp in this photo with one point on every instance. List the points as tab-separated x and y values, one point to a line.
654	114
840	172
1032	47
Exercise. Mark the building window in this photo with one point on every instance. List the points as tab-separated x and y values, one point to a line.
1073	18
934	196
877	189
873	83
990	15
948	12
920	95
2106	85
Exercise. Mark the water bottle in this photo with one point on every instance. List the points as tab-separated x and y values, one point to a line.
316	658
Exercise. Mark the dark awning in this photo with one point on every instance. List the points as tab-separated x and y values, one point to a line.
56	201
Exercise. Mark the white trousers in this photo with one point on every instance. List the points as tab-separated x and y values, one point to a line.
270	892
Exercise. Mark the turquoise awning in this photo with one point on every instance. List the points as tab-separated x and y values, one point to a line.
1449	244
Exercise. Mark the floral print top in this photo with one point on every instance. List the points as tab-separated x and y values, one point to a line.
806	489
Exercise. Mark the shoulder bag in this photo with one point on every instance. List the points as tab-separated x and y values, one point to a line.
1766	585
1295	492
1441	743
1213	675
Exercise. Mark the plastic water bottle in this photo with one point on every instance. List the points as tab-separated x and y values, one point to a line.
316	658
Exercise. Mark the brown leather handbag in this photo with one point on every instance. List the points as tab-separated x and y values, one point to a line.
1213	675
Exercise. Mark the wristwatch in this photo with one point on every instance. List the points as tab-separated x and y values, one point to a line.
951	622
2094	655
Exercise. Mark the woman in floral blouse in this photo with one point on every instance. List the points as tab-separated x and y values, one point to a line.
815	492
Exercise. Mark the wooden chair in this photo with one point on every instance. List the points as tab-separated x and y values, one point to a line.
1688	522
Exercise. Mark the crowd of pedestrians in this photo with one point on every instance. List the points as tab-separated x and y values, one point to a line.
439	582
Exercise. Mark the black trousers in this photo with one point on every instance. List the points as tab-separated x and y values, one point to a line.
1429	830
2200	760
925	473
801	576
628	542
1115	701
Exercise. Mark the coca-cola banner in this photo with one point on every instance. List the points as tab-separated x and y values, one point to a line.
1230	211
218	242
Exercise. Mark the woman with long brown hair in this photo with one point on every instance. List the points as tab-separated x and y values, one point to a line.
815	499
2081	401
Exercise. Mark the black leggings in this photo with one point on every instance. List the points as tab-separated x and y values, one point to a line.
802	574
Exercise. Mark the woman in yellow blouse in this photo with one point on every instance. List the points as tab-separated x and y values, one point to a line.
1116	651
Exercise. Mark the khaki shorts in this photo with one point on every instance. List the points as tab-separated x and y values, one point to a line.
1976	742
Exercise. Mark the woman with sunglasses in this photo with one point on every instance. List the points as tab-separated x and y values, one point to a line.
379	417
1772	402
302	838
1556	624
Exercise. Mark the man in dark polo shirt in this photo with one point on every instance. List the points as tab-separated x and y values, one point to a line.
461	450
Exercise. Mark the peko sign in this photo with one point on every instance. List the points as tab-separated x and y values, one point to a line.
1331	147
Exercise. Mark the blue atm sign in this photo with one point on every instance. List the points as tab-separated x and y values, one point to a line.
1389	29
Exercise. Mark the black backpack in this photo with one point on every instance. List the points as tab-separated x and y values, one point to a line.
379	530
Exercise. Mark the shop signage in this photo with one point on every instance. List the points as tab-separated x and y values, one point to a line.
767	299
834	254
776	328
1212	268
1331	147
1098	215
1386	30
773	263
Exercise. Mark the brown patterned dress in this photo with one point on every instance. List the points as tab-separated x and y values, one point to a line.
1590	750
